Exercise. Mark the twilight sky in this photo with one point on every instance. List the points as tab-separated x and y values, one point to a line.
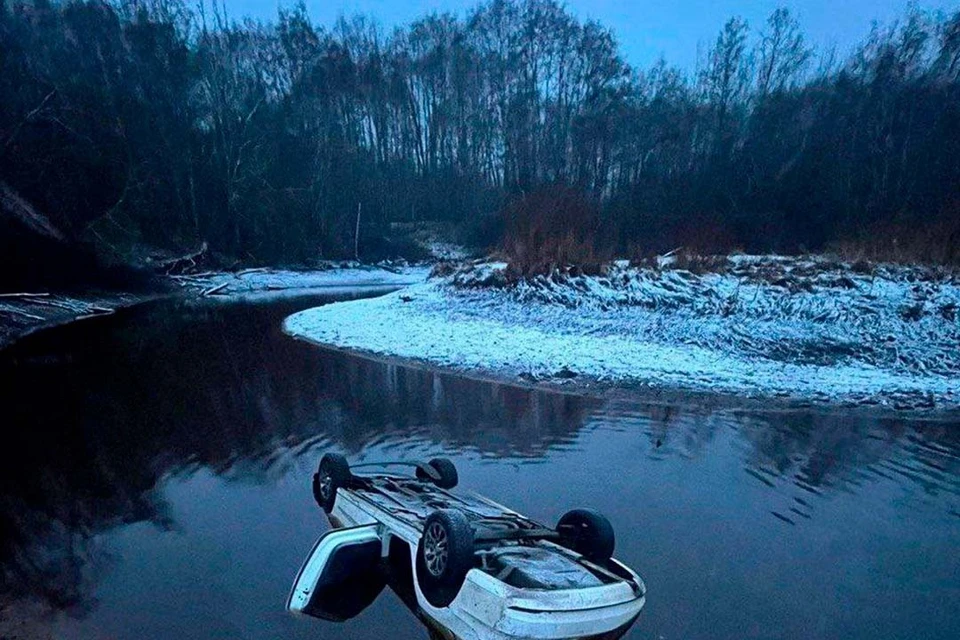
644	28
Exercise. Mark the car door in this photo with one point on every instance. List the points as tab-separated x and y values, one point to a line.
341	577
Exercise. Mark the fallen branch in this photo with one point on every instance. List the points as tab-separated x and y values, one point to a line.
18	312
254	270
194	278
69	305
97	314
212	291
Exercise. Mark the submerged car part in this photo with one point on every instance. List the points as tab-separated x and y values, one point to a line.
341	577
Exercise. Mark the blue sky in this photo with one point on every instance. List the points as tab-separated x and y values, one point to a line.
645	28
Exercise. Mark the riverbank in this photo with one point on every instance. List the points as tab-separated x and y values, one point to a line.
286	281
795	330
22	313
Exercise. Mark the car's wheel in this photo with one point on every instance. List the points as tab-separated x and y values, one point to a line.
588	533
447	477
333	473
444	556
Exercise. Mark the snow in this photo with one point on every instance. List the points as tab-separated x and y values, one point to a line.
750	325
441	250
259	281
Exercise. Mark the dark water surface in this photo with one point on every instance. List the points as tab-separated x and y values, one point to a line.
154	483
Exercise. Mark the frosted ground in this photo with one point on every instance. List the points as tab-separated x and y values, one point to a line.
756	326
332	275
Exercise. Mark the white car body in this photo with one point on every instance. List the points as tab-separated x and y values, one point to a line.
570	597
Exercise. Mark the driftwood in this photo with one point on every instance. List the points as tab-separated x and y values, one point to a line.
194	279
212	291
68	304
96	312
24	295
20	312
254	270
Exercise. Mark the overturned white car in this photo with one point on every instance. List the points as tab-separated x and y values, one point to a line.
467	566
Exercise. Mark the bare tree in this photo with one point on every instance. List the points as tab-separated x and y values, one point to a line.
782	55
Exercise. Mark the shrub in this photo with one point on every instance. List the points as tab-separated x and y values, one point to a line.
932	243
553	226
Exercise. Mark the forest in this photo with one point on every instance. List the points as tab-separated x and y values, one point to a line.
159	123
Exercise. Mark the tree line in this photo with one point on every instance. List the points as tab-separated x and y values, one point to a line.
161	123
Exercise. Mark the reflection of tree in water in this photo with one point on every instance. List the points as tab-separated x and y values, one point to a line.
58	486
102	412
386	400
814	452
826	451
676	432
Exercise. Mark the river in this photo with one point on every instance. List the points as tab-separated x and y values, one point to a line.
154	483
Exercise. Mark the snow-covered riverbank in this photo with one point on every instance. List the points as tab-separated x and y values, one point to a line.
274	281
806	329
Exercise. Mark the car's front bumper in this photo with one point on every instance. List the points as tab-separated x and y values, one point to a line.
488	609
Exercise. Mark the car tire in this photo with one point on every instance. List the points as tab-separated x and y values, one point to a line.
333	472
447	477
445	555
588	533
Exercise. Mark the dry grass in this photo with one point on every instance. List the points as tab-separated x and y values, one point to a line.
931	244
556	227
553	227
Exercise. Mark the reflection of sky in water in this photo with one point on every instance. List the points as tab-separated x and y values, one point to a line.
791	525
